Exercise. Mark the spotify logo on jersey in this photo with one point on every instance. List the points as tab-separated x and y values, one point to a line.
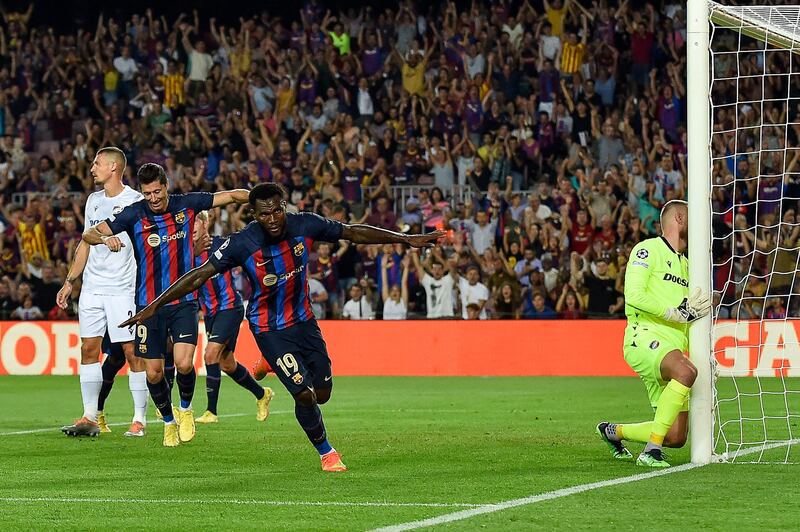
156	240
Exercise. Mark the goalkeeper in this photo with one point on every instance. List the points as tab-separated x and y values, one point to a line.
659	310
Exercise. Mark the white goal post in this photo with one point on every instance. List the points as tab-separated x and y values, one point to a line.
743	129
698	129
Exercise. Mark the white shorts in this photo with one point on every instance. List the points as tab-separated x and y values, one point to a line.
98	313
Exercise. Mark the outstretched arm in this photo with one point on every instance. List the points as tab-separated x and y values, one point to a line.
102	234
189	282
368	234
226	197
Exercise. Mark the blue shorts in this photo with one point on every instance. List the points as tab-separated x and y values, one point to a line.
176	321
298	356
223	327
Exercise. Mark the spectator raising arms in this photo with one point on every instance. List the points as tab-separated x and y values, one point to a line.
395	298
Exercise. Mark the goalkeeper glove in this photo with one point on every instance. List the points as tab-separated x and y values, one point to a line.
691	308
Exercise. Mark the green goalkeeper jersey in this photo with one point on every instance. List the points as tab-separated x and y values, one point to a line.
656	278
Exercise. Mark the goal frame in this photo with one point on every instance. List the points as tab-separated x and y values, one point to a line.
698	129
701	14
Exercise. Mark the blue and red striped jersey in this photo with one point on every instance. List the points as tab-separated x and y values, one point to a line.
276	268
162	243
218	293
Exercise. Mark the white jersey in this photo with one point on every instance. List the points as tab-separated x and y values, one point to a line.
439	296
472	294
109	273
394	310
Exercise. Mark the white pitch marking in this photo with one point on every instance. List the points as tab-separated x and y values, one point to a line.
557	494
243	502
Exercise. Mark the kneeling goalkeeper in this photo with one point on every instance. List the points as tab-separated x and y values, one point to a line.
659	310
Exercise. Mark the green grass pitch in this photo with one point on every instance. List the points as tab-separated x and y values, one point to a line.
416	447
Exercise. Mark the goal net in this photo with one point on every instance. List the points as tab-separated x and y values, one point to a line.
754	146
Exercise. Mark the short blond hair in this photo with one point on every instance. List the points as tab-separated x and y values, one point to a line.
669	207
116	154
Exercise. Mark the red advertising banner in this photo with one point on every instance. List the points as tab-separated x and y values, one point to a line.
440	348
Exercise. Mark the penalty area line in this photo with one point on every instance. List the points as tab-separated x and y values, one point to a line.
241	502
564	492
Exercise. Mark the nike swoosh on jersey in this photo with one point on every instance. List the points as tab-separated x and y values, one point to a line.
184	335
327	378
213	336
147	227
263	263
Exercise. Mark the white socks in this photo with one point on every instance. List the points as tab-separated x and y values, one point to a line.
91	376
137	382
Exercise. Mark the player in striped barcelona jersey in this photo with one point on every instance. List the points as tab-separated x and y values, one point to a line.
160	228
659	310
224	312
273	252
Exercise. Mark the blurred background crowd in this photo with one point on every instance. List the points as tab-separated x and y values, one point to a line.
544	136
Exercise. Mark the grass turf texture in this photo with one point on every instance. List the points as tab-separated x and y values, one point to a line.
406	440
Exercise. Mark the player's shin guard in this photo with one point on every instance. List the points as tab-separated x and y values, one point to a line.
186	382
110	368
668	407
310	418
161	397
137	383
246	381
91	377
213	376
639	432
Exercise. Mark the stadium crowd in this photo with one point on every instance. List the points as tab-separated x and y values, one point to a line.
543	136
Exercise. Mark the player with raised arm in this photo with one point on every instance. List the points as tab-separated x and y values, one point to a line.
659	309
273	251
107	297
224	312
160	229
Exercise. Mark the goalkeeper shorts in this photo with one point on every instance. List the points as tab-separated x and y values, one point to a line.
644	352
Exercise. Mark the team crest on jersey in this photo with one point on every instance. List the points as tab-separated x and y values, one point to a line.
142	348
669	263
180	218
154	240
270	279
642	254
116	210
298	249
297	378
654	344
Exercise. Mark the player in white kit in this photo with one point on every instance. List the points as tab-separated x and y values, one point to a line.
107	296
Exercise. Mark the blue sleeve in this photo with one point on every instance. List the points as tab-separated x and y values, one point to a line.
226	256
319	228
125	220
198	201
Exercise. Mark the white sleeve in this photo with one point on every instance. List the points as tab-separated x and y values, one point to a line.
462	284
484	292
86	221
